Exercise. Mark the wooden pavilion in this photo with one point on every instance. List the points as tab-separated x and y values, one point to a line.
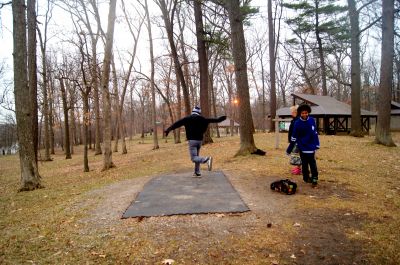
395	116
230	126
331	116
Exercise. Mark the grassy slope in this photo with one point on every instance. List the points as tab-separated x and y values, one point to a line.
43	226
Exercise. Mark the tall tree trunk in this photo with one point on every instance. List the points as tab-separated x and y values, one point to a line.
152	88
46	81
320	50
186	74
247	145
30	178
264	113
46	110
51	119
178	68
72	124
85	99
105	77
212	93
132	116
383	135
203	66
67	144
272	60
177	132
116	112
142	105
356	129
32	70
79	128
96	100
94	36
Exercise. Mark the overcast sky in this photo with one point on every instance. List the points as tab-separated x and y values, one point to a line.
61	26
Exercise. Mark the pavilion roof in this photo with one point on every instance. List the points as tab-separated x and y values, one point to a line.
322	106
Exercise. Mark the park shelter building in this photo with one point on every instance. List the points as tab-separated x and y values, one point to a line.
395	116
229	126
331	116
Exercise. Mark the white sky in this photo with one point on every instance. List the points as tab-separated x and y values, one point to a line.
122	39
61	20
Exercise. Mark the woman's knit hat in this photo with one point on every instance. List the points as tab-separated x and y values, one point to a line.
196	110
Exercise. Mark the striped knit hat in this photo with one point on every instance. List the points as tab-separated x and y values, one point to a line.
196	110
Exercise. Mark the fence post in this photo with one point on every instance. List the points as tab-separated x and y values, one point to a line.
276	132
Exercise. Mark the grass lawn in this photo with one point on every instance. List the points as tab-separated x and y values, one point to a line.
358	196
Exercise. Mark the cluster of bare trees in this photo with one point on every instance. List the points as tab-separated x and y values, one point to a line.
91	91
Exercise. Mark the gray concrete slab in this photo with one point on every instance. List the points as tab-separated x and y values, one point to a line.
183	194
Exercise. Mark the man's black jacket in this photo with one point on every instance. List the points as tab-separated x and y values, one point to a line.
195	125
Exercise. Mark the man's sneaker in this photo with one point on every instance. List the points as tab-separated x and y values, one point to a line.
209	163
308	180
196	175
314	183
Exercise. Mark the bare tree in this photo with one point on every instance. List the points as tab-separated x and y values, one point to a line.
356	129
94	39
64	99
105	77
301	58
383	135
32	70
30	178
43	38
247	145
81	10
284	74
272	65
168	22
203	65
152	87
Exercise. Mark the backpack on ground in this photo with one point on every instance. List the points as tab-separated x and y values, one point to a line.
284	185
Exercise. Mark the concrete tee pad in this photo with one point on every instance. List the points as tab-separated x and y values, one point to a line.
183	194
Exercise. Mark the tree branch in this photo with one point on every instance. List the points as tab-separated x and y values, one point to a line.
370	25
5	4
365	5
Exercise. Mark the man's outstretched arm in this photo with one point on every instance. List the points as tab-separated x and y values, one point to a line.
174	126
216	120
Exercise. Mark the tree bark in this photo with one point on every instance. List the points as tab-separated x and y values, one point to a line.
356	129
203	66
67	144
85	99
152	88
96	100
30	178
272	69
72	120
177	132
320	50
46	115
94	37
116	103
247	145
132	116
51	119
383	135
32	70
108	163
178	68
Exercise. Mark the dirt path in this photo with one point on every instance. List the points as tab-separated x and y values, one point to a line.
277	230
